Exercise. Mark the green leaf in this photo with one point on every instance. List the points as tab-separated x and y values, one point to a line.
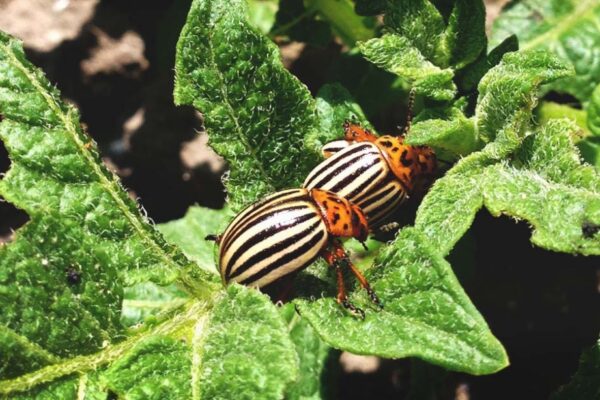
585	384
144	300
347	25
395	54
593	112
469	77
464	38
261	14
568	28
243	350
313	354
454	135
62	278
422	27
549	110
557	194
189	234
335	105
255	111
508	92
156	368
426	313
449	209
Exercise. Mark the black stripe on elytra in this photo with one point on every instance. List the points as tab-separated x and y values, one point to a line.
341	168
287	258
329	163
269	231
360	188
382	215
375	198
276	200
273	249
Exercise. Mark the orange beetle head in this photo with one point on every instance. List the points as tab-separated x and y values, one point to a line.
356	133
410	164
343	218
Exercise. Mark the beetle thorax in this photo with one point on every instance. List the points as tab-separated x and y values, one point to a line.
407	163
343	218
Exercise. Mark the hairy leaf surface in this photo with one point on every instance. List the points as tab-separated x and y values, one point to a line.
395	54
426	313
62	278
255	111
568	28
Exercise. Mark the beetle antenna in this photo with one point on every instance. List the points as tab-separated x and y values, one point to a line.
409	116
364	245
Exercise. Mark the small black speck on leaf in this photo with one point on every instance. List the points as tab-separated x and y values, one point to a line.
589	229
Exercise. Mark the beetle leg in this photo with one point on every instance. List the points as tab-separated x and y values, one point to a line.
213	238
331	257
337	257
342	258
342	298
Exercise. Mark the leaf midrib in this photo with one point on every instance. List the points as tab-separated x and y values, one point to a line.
230	110
110	186
84	364
562	24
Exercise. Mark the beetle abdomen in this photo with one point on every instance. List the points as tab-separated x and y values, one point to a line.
275	237
381	201
360	174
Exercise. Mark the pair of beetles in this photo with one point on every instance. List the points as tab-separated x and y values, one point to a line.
361	182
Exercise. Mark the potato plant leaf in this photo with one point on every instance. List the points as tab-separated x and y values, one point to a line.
243	350
313	356
585	384
255	111
426	313
568	28
62	278
335	105
189	234
396	54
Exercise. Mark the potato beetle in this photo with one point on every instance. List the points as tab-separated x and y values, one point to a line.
375	173
285	232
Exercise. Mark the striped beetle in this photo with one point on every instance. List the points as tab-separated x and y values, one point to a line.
375	173
285	232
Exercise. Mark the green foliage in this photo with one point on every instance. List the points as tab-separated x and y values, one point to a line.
234	75
301	24
243	350
334	107
568	28
585	384
395	54
426	313
313	356
95	303
55	299
134	376
189	234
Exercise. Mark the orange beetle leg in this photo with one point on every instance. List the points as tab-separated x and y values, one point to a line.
344	259
331	257
356	133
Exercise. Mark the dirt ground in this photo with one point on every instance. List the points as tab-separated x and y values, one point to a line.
114	60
